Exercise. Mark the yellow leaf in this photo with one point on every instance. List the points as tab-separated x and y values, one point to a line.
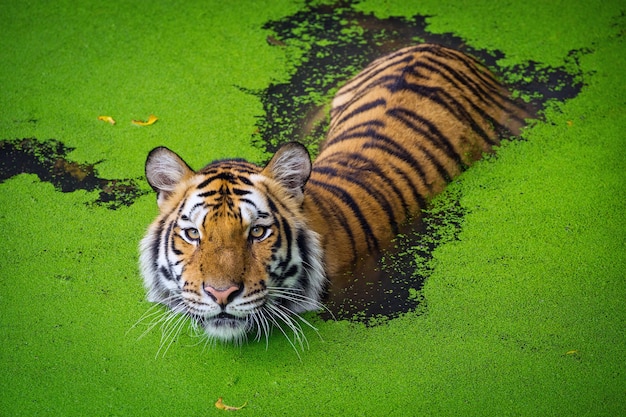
220	404
150	121
107	119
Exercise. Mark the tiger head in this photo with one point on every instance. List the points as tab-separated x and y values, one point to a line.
230	247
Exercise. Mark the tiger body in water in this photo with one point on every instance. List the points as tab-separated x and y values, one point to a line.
242	249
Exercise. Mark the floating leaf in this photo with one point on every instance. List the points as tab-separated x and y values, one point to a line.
150	121
107	119
220	404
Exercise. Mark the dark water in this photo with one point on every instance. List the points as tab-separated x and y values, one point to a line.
48	160
327	45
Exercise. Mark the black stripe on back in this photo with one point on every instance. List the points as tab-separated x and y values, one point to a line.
375	140
445	100
353	178
433	135
482	89
371	72
339	215
346	198
369	165
367	106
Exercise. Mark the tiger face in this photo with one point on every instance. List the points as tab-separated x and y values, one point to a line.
230	248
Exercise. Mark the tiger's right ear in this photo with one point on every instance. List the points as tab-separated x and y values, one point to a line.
164	171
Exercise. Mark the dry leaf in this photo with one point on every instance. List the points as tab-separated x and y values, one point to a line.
150	121
220	404
107	119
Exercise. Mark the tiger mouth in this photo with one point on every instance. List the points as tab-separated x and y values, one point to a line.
223	319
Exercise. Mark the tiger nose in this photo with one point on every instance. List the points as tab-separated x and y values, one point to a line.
223	296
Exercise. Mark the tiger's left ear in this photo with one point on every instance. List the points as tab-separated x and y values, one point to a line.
164	171
291	167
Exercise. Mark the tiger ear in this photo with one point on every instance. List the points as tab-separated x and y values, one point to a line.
164	171
291	167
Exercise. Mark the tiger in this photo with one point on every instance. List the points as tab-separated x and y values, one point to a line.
242	249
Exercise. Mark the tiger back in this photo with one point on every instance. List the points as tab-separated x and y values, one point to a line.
399	132
241	249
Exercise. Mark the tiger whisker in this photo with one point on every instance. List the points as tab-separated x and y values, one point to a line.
171	328
291	314
171	320
158	317
302	319
266	326
209	341
154	310
197	331
272	319
162	316
295	327
292	294
155	317
259	322
266	329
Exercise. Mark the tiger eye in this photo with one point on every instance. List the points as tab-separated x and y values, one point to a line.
192	233
257	232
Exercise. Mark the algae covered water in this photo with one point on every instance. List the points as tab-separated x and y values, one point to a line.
521	309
